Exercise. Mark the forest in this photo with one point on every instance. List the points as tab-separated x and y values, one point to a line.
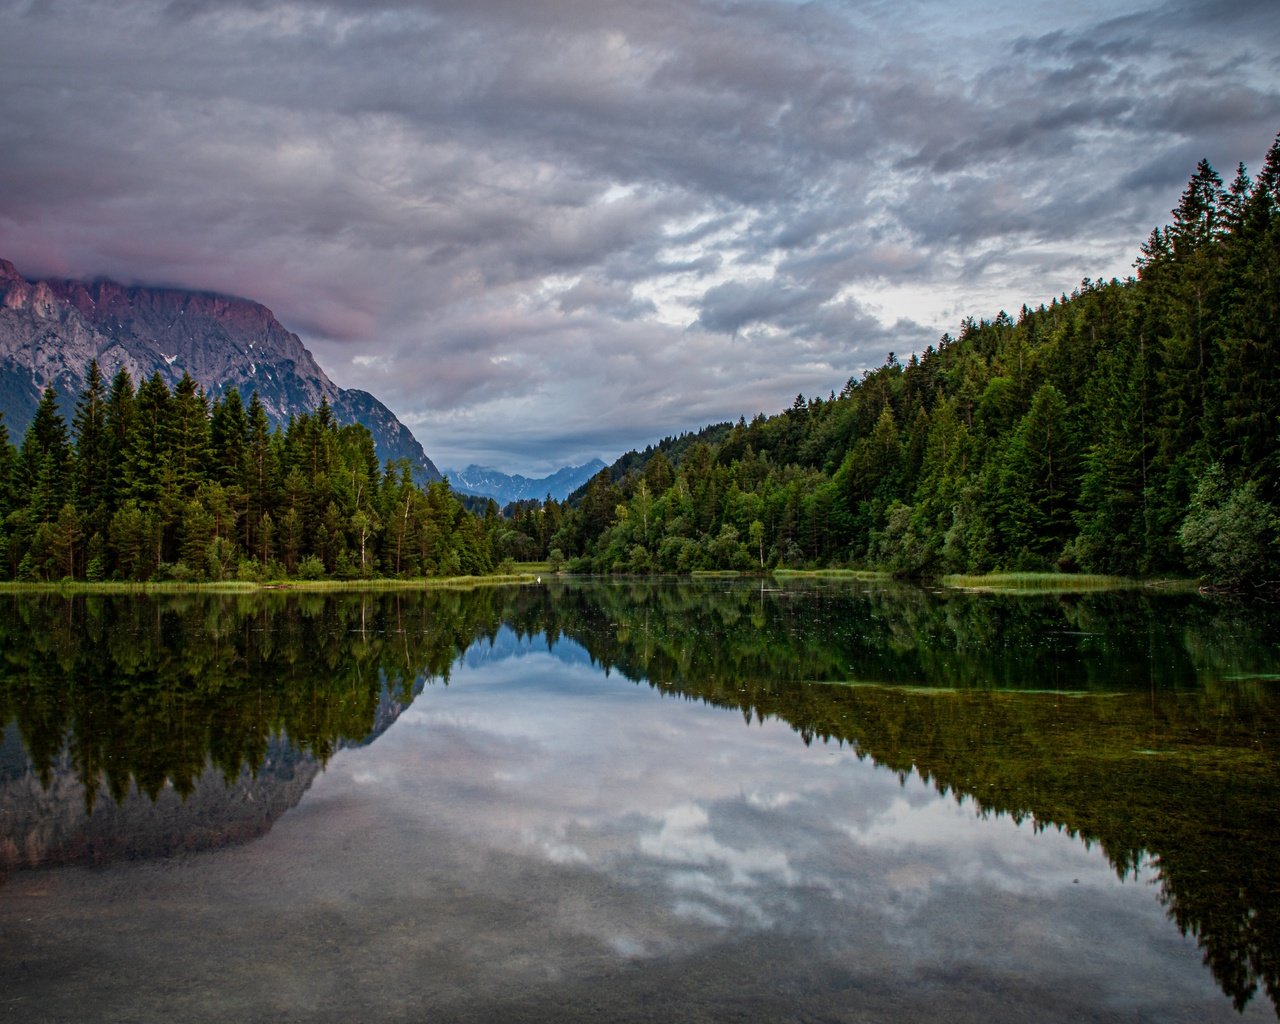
1131	427
150	484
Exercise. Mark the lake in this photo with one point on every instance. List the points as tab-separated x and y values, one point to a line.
627	801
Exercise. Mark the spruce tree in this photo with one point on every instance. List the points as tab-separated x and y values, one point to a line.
228	438
93	455
259	478
44	461
188	443
8	457
147	452
118	425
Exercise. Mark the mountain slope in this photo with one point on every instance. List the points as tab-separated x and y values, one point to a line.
50	330
1128	429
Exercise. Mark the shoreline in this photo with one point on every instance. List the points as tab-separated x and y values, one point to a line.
995	582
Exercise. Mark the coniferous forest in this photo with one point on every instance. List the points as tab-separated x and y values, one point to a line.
152	484
1131	427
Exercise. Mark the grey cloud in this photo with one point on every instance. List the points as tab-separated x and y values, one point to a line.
654	382
1197	113
1259	16
1166	171
479	210
1125	37
1043	135
729	307
604	298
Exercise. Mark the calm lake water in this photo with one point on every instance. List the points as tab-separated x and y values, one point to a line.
635	801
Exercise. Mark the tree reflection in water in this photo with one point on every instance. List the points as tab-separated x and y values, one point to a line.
1148	725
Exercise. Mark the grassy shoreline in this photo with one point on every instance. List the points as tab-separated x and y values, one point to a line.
1041	582
996	582
248	587
869	575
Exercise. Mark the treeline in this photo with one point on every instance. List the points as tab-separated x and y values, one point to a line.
152	484
147	694
1132	427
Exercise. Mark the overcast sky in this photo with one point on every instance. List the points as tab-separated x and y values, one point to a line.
546	230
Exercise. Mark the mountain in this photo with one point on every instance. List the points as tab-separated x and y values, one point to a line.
504	489
49	818
51	329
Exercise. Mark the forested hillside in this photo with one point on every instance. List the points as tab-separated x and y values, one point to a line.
153	484
51	329
1129	427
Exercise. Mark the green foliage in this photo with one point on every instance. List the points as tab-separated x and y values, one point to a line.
1036	482
311	568
1231	535
161	485
1078	437
1073	438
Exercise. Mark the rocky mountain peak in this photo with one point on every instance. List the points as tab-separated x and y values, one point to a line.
51	330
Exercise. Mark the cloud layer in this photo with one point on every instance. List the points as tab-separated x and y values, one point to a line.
545	230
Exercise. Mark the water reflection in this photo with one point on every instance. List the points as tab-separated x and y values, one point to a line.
217	711
1146	726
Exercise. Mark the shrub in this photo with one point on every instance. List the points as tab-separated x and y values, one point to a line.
1230	533
311	568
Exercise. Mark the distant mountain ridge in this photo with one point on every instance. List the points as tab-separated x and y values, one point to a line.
51	329
46	821
505	488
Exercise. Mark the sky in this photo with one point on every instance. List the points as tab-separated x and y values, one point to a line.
543	231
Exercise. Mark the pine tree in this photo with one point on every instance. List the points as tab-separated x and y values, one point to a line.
197	533
67	543
92	451
147	451
1198	219
1244	419
1114	469
118	427
188	440
228	438
44	461
259	476
8	457
1038	482
941	479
